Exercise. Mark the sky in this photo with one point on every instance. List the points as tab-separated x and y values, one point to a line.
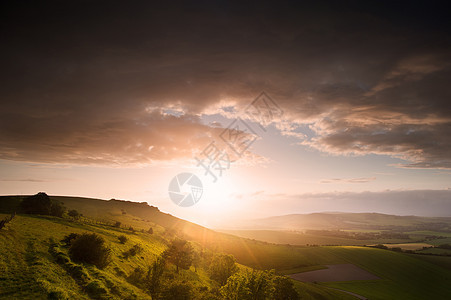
339	106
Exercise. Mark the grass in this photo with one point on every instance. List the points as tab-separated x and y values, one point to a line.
301	270
311	291
441	261
31	271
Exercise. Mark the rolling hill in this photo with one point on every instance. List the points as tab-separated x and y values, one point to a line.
338	220
30	246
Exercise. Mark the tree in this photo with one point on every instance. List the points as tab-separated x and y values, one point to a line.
57	209
39	204
180	253
74	214
154	274
90	248
177	291
255	285
236	288
222	267
259	283
284	289
150	231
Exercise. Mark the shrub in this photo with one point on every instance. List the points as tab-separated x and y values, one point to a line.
396	249
95	289
137	277
222	267
133	250
117	224
74	214
69	238
76	271
150	231
154	274
122	238
91	249
177	291
284	289
57	209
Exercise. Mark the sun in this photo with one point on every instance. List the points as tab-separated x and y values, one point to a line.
216	197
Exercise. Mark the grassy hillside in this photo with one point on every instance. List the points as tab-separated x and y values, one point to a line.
30	271
35	264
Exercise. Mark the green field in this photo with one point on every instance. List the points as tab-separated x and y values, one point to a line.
403	276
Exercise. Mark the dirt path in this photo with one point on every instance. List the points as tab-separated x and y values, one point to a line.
350	293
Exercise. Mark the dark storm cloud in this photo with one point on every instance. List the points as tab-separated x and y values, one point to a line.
87	82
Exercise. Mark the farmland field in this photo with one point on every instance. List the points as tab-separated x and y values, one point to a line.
341	272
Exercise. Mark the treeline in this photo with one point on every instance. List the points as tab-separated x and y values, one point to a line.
41	204
359	235
399	249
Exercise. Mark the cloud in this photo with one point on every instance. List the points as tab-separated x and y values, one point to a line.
25	180
130	87
348	180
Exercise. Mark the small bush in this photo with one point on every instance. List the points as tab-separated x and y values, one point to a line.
91	249
95	289
56	295
117	224
76	271
177	291
69	238
61	258
136	249
122	238
74	214
137	277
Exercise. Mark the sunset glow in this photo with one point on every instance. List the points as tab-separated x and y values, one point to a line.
360	119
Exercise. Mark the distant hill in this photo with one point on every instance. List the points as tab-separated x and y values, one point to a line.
332	221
